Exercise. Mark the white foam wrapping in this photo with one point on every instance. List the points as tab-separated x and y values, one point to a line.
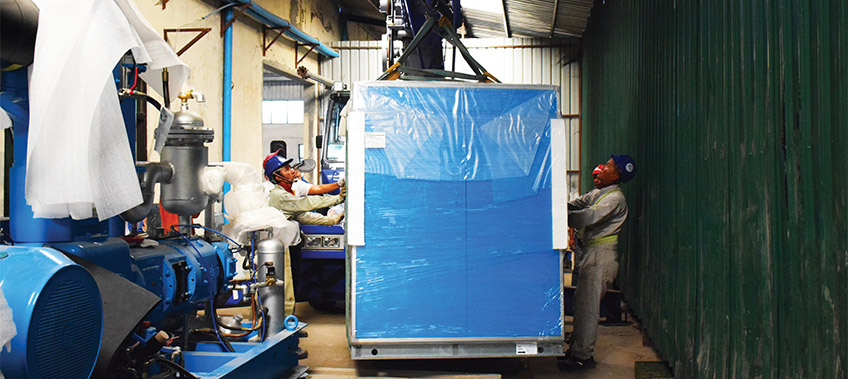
7	324
247	205
5	121
559	184
212	179
78	155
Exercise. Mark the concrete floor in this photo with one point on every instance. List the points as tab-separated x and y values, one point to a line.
619	347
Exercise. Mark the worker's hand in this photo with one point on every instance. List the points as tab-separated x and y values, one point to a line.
572	242
341	182
342	189
337	219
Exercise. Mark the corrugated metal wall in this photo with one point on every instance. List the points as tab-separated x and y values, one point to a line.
357	61
735	254
511	60
282	90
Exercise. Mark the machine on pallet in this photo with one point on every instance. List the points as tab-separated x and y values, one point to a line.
88	299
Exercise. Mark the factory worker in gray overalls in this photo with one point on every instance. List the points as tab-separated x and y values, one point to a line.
598	215
299	204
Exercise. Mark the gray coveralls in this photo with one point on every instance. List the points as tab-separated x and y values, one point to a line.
300	208
599	215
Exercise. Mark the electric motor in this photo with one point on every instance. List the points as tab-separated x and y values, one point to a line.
57	312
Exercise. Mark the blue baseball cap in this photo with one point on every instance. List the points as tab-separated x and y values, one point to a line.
273	162
626	166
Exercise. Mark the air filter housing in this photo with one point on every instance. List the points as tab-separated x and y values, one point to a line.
57	311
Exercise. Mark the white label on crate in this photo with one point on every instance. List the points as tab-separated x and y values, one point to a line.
375	140
526	349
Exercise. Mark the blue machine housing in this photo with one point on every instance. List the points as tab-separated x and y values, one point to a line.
56	308
184	276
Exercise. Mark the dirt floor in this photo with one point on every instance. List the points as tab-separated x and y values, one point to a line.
619	347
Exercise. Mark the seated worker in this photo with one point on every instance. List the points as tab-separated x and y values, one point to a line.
280	172
301	187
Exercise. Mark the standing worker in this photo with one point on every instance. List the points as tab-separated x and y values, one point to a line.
598	215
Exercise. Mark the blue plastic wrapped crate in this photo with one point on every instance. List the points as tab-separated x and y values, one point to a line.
449	221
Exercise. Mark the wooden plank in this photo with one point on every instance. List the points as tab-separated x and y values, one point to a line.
343	373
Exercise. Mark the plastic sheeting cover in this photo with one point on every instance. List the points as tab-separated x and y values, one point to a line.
76	133
457	213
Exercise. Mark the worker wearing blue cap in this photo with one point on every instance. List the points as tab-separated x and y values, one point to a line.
598	215
299	206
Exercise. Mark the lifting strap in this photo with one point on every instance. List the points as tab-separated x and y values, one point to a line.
608	240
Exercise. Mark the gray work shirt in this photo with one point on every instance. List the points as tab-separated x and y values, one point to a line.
299	208
599	213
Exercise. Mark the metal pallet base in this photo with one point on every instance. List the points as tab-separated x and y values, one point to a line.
455	350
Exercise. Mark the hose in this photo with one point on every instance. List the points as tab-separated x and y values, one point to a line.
180	369
224	341
126	92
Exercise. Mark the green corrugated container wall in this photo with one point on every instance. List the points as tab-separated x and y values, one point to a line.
735	253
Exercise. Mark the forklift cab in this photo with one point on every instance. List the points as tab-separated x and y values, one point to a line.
318	264
332	143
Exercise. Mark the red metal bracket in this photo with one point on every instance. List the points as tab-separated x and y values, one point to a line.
200	33
237	11
297	45
266	46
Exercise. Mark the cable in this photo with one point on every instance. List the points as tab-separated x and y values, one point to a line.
227	345
254	326
211	230
258	298
125	92
180	369
173	227
264	326
135	81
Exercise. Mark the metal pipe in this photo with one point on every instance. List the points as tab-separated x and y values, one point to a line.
154	172
227	95
272	20
304	73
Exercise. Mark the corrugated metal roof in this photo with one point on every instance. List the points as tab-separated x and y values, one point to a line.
530	18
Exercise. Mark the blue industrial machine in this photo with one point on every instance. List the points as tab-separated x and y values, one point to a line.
88	300
419	26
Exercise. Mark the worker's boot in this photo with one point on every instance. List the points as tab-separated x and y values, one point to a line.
573	363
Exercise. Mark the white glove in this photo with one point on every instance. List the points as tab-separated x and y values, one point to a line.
342	189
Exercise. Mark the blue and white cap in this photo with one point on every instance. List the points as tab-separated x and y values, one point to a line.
626	166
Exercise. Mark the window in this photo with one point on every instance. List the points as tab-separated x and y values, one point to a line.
336	151
282	111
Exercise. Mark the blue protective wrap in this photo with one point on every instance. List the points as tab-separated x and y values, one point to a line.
455	134
458	240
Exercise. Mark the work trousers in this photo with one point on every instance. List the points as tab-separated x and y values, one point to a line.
597	267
